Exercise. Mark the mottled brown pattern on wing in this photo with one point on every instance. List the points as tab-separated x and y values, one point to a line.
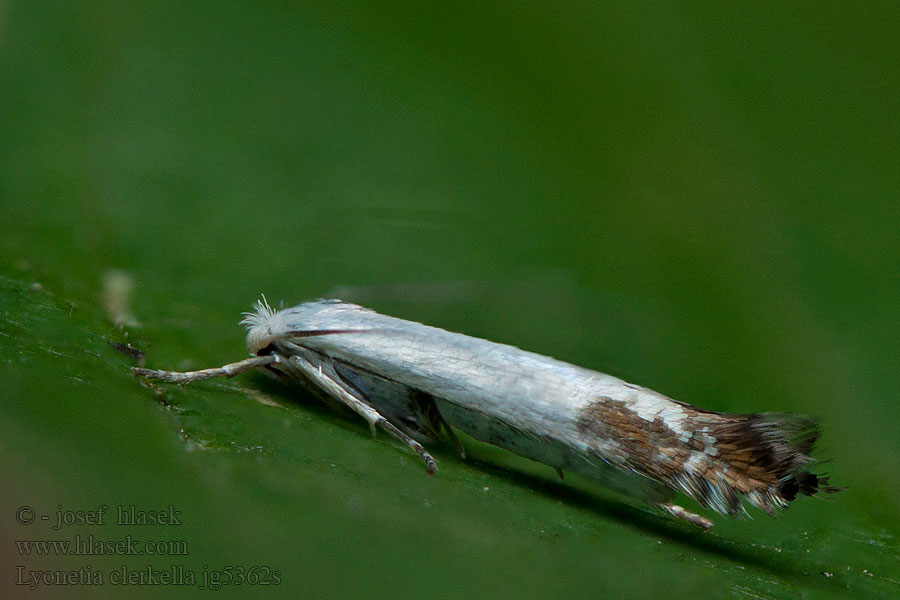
650	448
716	459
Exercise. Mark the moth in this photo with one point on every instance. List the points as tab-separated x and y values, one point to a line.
418	383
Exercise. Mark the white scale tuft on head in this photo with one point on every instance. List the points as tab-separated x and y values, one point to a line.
260	315
265	324
260	324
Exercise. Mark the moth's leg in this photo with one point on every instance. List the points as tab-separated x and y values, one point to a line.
456	443
324	376
229	370
412	411
680	513
430	466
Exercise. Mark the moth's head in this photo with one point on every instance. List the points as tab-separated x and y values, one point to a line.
266	326
259	325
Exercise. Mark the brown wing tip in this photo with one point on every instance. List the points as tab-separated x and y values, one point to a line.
769	455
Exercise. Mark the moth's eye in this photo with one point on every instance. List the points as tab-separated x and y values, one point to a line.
265	351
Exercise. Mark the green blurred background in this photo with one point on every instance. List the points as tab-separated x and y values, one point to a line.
700	200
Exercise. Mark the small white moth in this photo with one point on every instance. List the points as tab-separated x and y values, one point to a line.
418	382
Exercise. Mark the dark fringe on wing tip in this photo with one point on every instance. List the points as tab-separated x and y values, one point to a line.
770	454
